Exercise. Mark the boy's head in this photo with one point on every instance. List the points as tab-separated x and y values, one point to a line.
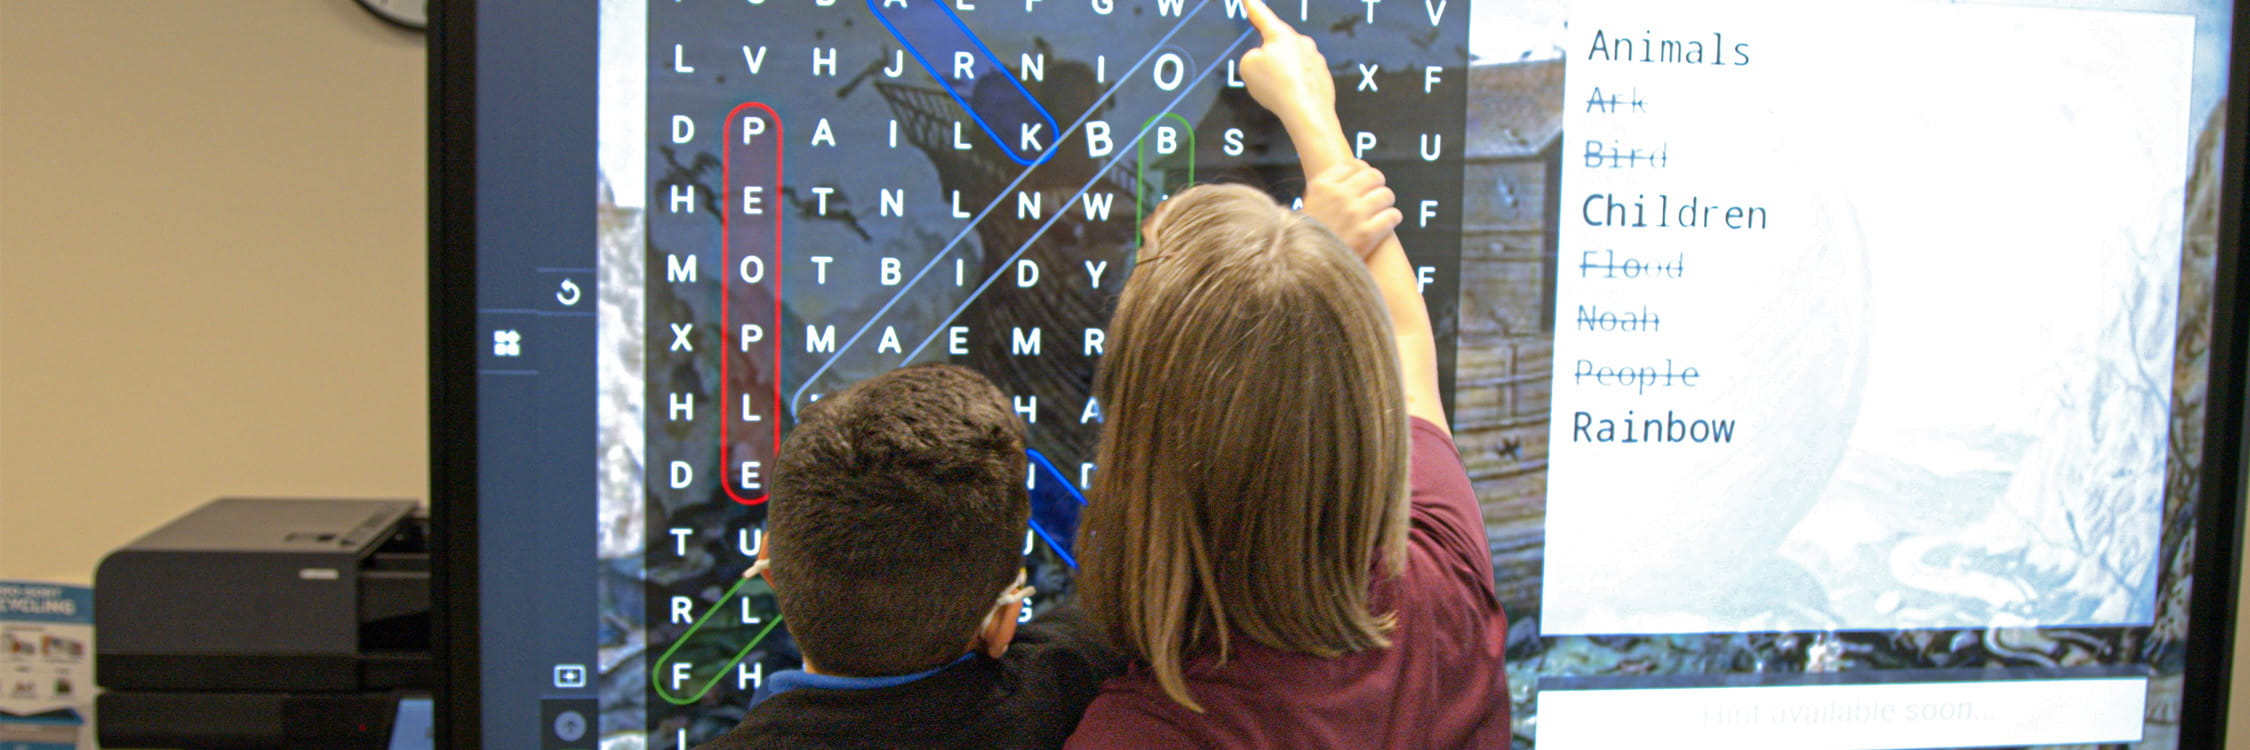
897	520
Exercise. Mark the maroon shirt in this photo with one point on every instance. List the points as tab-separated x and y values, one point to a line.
1443	683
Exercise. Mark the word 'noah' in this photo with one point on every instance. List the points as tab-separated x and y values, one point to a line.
1646	50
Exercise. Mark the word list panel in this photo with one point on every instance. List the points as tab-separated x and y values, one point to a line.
840	187
1877	358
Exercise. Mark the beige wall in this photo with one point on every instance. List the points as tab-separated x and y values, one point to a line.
211	257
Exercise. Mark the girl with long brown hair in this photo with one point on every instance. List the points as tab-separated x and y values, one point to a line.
1281	533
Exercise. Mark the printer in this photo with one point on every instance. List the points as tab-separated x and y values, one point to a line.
267	624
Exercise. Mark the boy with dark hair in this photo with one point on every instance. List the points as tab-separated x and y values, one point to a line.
893	544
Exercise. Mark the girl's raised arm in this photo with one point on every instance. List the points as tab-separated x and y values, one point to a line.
1289	77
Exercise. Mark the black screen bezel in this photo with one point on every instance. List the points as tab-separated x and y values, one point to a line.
453	408
2212	604
452	170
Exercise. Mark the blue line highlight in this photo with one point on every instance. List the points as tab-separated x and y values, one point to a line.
953	22
1055	503
1062	549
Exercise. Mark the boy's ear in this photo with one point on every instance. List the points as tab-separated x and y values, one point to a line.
999	628
760	567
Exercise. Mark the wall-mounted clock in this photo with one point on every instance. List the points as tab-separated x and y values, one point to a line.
412	14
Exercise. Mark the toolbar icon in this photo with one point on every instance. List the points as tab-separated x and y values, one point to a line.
507	342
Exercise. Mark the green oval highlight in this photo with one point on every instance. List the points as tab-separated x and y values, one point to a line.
656	673
1141	202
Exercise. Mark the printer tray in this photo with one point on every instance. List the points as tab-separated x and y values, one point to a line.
383	670
244	721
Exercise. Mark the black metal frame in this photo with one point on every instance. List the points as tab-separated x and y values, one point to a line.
2212	608
452	111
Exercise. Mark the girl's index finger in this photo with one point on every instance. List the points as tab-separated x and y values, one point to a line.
1270	27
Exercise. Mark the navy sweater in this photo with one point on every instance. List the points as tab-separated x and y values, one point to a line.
1029	698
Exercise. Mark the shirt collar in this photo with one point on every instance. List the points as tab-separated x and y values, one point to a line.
791	679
